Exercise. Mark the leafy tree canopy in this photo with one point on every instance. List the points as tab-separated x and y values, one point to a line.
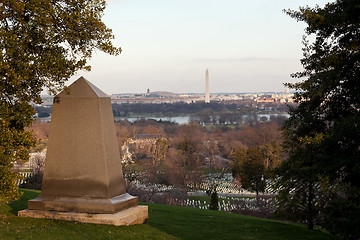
249	168
42	44
322	133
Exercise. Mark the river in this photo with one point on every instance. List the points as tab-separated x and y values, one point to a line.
186	119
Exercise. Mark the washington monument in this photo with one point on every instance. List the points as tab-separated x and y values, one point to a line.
207	90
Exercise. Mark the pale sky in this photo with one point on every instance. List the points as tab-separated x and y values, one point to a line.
248	46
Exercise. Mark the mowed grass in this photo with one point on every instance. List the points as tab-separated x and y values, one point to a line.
165	222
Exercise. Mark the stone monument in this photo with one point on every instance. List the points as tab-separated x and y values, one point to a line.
83	178
207	89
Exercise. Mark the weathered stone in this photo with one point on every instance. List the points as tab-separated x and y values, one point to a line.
130	216
83	172
86	205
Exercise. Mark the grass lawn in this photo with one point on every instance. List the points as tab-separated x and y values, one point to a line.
165	222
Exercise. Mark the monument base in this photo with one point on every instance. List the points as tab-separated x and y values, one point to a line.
83	205
130	216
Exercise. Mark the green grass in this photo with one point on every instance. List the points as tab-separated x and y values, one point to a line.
165	222
205	198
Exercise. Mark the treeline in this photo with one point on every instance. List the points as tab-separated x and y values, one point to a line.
122	110
180	108
185	153
208	117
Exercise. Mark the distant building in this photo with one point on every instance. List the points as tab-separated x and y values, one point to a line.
266	100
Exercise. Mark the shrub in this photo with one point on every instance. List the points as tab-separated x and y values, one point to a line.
214	201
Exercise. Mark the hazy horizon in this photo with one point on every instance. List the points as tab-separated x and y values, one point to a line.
192	93
167	46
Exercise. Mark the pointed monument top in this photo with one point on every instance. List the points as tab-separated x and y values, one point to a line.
82	88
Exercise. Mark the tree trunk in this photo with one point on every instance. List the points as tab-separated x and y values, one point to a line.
310	218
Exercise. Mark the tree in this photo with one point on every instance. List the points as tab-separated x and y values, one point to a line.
204	116
37	165
250	169
322	133
185	157
159	155
189	161
271	154
214	201
42	44
298	184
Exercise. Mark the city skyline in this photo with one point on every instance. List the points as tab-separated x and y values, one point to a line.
167	45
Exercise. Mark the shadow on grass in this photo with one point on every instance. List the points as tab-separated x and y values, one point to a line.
192	223
22	203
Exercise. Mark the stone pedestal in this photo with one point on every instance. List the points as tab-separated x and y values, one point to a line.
83	178
129	216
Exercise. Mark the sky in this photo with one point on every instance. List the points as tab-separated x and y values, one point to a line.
248	46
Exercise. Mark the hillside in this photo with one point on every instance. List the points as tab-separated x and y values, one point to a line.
165	222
